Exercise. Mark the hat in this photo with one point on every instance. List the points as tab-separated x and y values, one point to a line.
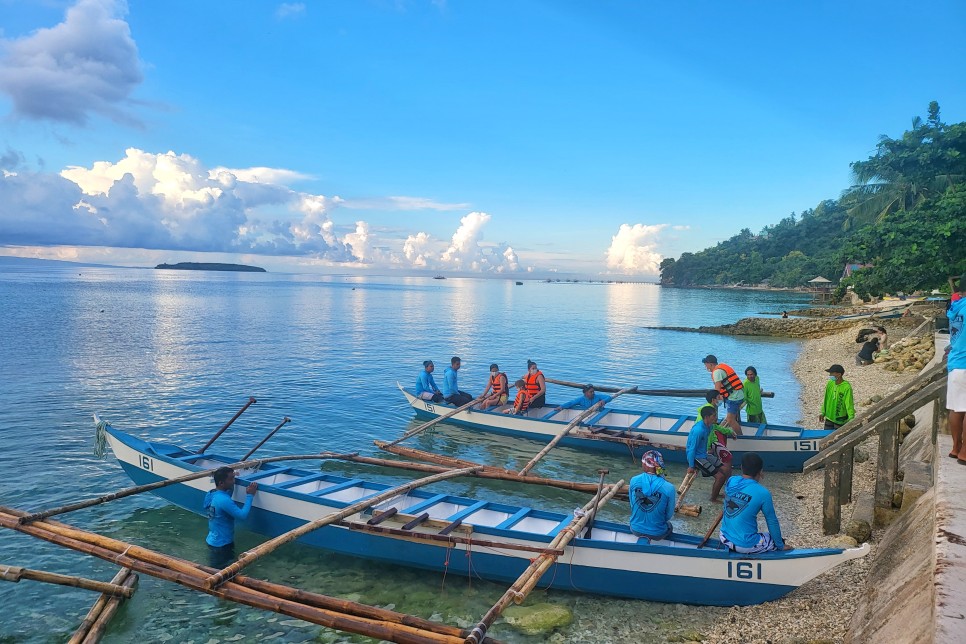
710	359
836	368
653	459
494	366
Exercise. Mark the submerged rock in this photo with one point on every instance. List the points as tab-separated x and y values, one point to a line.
538	618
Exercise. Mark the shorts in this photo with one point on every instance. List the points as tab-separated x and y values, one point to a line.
708	466
649	538
757	418
221	556
765	543
956	390
831	424
732	407
722	453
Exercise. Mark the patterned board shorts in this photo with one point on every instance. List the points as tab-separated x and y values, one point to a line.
708	466
765	543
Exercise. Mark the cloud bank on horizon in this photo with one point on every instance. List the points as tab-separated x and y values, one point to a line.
88	66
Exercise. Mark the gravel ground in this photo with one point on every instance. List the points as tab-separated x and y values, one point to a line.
821	610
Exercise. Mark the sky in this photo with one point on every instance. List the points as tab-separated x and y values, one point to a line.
457	137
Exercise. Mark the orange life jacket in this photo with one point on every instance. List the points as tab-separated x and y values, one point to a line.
730	384
522	400
499	383
533	387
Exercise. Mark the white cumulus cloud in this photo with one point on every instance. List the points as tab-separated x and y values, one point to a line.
633	249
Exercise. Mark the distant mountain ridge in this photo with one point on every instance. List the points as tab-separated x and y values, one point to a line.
211	266
13	260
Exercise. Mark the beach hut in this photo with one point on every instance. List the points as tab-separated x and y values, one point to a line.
822	289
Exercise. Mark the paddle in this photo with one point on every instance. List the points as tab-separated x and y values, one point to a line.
600	489
251	401
270	434
680	393
707	535
439	419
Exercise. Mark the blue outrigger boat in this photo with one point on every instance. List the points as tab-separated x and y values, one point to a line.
783	448
426	527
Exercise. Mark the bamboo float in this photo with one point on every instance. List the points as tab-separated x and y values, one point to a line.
148	487
263	441
678	393
251	401
439	419
192	576
15	574
250	556
526	581
94	613
96	631
566	430
679	506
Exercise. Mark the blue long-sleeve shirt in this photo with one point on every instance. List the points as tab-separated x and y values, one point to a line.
652	504
581	401
744	499
222	512
450	387
425	382
698	442
957	335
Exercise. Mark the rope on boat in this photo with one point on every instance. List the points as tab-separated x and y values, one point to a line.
100	438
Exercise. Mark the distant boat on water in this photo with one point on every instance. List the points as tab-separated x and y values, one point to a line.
439	277
519	283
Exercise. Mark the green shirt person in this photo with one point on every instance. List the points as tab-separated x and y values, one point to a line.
838	407
719	434
752	388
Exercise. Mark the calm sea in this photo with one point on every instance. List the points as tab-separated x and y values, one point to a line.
172	355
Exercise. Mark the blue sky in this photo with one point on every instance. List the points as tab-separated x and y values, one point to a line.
496	138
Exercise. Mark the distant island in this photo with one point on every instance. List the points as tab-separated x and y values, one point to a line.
204	266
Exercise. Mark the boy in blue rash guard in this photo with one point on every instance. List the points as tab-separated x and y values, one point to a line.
426	388
222	512
451	390
652	499
587	400
745	497
698	456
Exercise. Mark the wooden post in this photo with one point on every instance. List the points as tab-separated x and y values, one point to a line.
831	498
885	475
257	552
847	459
436	420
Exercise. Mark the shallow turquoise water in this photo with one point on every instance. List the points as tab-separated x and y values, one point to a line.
172	355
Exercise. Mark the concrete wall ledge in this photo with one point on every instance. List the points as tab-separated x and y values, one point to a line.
950	571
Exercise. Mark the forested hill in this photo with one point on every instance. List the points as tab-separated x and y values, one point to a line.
904	219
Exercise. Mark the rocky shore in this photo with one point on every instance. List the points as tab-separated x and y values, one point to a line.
821	610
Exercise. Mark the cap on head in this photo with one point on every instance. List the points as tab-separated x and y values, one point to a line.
653	458
836	368
494	367
427	363
710	359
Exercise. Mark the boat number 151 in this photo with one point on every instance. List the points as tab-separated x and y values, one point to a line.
147	463
806	446
744	570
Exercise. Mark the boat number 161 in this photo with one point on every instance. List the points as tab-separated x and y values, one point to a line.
744	570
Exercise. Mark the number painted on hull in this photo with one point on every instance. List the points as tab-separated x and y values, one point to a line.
430	408
806	446
744	570
147	463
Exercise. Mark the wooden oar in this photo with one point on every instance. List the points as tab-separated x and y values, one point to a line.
529	578
679	393
439	419
251	401
257	552
15	574
707	535
600	489
566	430
270	434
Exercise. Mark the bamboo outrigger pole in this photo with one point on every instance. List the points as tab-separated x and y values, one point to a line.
15	574
99	616
678	393
526	582
439	419
259	551
566	430
264	440
251	401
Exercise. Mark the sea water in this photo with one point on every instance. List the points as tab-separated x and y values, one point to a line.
171	355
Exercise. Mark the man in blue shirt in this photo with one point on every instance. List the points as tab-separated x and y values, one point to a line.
956	379
698	456
451	390
222	512
426	388
652	499
745	497
587	400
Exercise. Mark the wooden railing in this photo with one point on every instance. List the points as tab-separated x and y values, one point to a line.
837	450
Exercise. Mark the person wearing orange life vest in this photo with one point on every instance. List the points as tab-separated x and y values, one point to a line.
536	385
522	401
728	383
497	388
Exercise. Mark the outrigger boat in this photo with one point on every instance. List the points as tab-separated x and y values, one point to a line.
420	528
784	448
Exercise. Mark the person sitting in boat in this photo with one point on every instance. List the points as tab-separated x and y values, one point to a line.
536	385
588	399
718	438
727	382
751	385
222	512
652	499
497	389
745	497
451	390
867	353
699	458
522	402
426	388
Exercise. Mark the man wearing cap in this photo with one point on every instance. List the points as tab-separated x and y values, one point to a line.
586	400
745	499
451	390
956	379
838	407
497	388
426	388
728	384
699	458
652	499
